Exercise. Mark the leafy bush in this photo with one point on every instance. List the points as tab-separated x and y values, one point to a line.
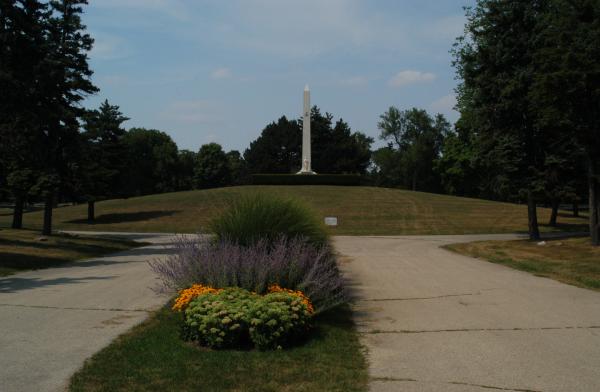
233	317
278	320
319	179
263	217
292	264
219	319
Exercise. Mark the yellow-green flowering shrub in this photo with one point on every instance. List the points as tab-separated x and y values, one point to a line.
236	318
278	320
219	319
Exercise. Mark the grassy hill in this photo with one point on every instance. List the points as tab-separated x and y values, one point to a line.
360	211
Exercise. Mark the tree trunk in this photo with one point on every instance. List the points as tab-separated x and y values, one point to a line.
17	222
594	205
576	209
534	230
91	215
554	213
48	204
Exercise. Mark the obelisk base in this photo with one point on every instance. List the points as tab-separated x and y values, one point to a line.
306	172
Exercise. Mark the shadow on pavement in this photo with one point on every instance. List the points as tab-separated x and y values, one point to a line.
11	285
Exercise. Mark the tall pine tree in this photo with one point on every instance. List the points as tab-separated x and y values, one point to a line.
103	155
65	84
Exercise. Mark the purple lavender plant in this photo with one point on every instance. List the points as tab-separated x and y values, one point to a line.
290	263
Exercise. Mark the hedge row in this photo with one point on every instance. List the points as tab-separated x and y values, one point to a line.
307	179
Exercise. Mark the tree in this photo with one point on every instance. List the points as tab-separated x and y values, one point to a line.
212	167
416	138
64	84
186	162
566	86
277	149
104	155
23	50
238	168
152	160
20	182
457	164
335	148
494	63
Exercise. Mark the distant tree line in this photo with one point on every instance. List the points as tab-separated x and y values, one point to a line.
528	132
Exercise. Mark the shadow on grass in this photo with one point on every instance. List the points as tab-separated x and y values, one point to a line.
87	248
22	262
126	217
582	227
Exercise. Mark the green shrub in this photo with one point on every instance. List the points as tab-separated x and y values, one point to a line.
219	320
278	320
235	318
319	179
267	218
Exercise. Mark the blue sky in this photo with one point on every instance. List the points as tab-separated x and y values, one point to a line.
220	70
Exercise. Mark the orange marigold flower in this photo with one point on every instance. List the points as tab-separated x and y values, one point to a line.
275	288
187	295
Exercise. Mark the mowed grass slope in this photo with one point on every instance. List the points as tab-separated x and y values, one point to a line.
360	211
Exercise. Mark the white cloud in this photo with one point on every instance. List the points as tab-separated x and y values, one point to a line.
445	104
221	73
407	77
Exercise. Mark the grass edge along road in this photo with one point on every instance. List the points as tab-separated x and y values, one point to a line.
23	250
152	357
360	211
569	260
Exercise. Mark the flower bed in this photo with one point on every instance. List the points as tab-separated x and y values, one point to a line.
259	281
234	318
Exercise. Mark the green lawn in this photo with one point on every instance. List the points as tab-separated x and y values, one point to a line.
152	357
360	211
22	250
574	261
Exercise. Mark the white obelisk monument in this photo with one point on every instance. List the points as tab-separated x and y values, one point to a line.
306	162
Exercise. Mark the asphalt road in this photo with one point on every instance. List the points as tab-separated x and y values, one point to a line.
433	320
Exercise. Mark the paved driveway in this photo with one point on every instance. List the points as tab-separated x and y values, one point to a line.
433	320
52	320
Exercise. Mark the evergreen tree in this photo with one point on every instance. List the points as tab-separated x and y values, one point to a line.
277	149
104	155
23	50
335	148
64	84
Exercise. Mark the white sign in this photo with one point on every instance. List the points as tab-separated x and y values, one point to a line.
331	221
